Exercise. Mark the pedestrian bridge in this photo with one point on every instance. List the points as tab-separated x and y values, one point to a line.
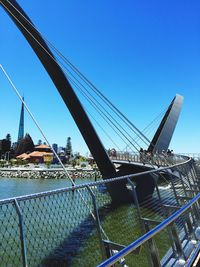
79	226
147	159
148	214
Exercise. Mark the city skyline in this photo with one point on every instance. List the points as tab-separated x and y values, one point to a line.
138	54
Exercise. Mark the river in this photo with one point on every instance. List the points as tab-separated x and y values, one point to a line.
13	187
59	229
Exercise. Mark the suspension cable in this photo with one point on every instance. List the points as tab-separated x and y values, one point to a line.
150	125
45	48
93	99
99	125
102	113
36	123
106	100
44	136
39	42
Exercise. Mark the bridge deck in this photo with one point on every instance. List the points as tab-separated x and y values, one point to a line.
58	228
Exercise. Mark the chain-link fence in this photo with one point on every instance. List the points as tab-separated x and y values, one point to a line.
80	226
179	240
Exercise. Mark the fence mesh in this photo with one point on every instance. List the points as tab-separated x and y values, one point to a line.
10	243
60	227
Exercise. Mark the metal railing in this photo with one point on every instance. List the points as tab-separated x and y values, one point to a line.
80	226
180	225
152	233
195	156
162	159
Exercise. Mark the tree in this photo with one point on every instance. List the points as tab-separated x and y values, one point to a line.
8	137
5	145
25	145
39	142
69	147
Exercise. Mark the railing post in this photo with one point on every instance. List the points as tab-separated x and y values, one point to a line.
177	241
135	199
98	224
173	187
194	174
191	173
195	169
21	225
195	208
166	214
188	221
153	251
189	230
197	184
188	174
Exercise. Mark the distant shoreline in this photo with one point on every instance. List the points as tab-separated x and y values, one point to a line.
48	173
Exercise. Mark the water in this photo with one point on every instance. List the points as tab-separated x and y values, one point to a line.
59	230
13	187
56	226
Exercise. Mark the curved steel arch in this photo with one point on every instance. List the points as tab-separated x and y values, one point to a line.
164	133
119	191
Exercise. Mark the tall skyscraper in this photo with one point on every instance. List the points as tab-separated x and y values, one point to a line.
21	124
55	147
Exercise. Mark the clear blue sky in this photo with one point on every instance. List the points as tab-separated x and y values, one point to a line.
138	53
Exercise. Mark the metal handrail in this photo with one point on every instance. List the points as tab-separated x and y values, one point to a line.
76	187
134	245
106	245
161	159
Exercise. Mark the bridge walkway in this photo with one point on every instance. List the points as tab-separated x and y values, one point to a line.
79	226
179	223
